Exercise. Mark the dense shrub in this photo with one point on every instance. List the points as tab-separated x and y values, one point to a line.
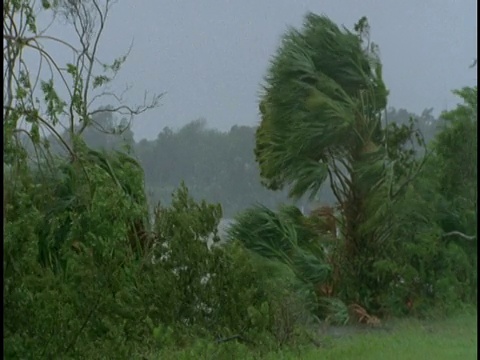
75	287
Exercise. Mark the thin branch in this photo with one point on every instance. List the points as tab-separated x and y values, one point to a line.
118	98
103	16
458	233
53	130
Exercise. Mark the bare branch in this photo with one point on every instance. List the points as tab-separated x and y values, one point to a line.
458	233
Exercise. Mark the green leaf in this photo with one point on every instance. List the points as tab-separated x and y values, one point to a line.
100	81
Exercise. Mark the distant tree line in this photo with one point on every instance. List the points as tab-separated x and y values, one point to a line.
214	165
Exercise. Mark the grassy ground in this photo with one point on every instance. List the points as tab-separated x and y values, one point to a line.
455	338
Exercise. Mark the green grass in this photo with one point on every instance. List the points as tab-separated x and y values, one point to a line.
450	339
455	338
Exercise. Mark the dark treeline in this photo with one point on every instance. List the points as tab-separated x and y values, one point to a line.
217	166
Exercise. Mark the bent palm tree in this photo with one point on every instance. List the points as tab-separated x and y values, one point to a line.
321	120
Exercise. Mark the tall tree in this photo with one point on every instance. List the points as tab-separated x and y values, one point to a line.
322	123
321	117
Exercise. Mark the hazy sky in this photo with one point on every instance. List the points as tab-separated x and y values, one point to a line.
210	56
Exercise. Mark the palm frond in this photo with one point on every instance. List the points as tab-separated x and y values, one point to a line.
282	236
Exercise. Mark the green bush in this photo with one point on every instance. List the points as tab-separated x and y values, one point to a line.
76	287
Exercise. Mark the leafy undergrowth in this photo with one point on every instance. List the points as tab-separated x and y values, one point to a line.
453	338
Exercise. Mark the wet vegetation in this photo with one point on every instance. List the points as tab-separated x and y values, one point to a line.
112	250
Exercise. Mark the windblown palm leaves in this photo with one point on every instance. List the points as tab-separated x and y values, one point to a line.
283	237
321	103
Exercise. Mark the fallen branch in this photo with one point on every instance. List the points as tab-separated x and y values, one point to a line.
462	235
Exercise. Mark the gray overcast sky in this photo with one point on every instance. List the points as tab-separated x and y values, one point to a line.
210	56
